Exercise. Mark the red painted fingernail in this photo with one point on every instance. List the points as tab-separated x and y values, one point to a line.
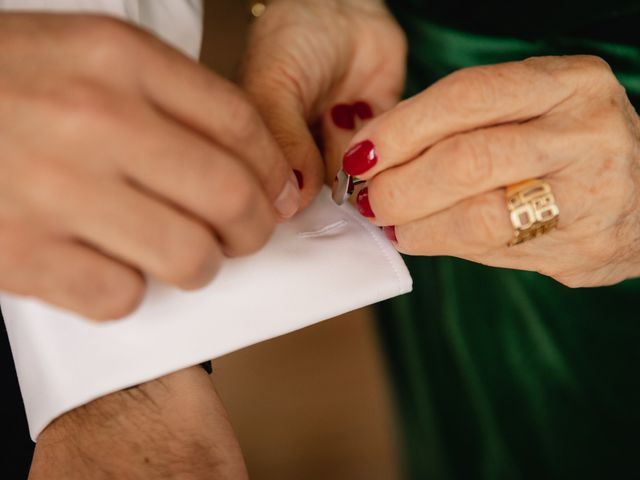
390	233
364	207
343	116
299	178
360	158
363	110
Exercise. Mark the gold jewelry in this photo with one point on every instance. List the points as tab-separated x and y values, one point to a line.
257	8
532	209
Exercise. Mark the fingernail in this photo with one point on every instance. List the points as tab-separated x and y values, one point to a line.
363	110
343	116
299	178
362	201
360	158
288	201
390	233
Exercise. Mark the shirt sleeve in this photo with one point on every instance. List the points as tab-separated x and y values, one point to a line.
177	22
327	261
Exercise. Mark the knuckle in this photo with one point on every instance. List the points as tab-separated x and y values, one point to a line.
386	196
473	89
233	191
596	66
192	262
240	197
597	75
83	105
468	158
112	295
246	120
615	130
112	41
618	95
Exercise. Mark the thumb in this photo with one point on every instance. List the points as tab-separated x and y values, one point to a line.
284	115
282	106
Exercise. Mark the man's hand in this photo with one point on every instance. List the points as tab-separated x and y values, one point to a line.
171	428
121	157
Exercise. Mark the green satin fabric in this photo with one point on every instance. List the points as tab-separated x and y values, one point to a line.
437	51
502	374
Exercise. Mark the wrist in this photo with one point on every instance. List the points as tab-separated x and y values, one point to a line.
161	429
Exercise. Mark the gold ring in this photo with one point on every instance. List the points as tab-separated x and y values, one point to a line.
532	210
257	8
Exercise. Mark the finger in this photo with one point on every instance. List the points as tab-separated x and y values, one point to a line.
286	119
196	97
69	275
339	125
466	100
475	228
205	181
466	165
138	230
286	105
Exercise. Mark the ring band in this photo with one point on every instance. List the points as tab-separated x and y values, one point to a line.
532	210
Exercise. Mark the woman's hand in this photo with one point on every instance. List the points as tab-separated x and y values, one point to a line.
174	427
120	156
437	165
320	68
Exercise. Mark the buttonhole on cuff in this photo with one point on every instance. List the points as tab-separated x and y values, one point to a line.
327	230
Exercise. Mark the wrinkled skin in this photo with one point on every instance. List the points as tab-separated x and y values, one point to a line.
564	119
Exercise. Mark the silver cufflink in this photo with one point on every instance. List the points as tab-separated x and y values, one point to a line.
343	186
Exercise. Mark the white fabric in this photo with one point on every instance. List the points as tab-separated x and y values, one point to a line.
178	22
325	262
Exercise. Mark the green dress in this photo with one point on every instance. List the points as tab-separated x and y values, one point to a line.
502	374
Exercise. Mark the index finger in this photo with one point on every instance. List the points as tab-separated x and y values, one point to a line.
466	100
218	110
